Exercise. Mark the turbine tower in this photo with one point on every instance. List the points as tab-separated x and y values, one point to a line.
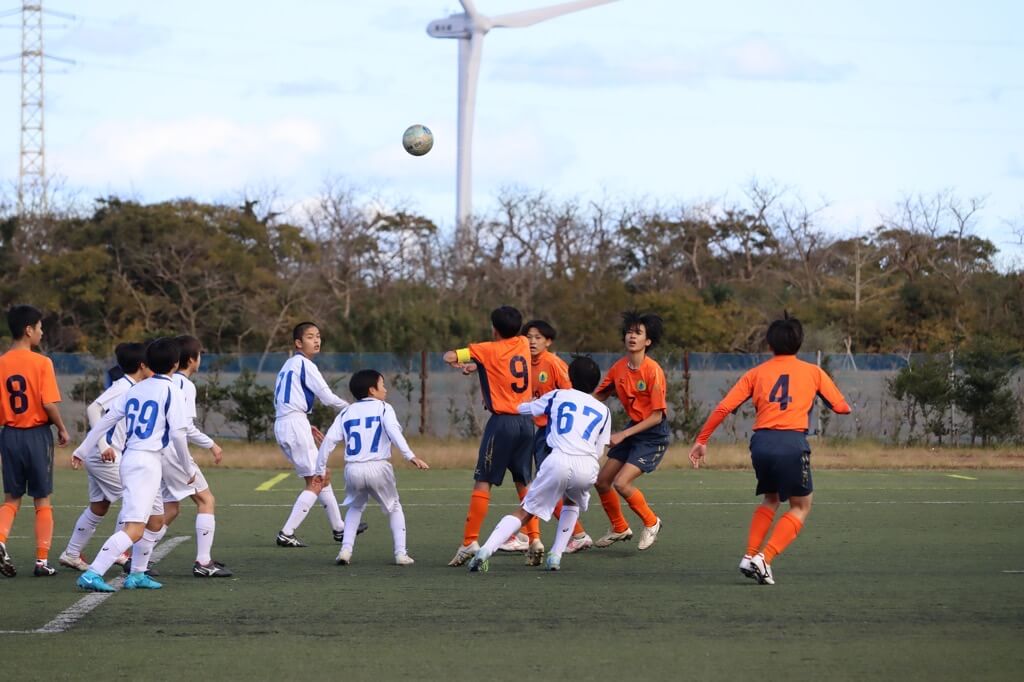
469	28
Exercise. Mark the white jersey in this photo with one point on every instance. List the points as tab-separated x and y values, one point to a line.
115	436
188	390
578	423
367	428
298	383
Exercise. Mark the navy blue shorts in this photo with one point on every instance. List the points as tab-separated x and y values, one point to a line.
782	463
507	445
27	456
541	449
644	450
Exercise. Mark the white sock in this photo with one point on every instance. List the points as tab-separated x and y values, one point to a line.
114	547
85	528
330	503
302	506
397	519
205	525
119	525
507	526
352	517
143	549
565	525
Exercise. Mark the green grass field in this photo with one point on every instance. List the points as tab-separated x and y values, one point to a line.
897	575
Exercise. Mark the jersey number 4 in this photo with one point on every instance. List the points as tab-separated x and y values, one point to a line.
780	392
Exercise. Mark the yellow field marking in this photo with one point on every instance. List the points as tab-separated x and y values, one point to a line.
962	478
267	485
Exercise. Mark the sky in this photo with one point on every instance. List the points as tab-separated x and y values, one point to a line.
674	101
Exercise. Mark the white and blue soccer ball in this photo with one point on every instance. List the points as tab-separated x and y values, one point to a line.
418	139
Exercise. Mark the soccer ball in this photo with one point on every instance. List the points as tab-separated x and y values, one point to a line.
417	139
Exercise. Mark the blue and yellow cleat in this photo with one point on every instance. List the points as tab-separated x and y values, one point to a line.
553	562
141	581
91	581
479	563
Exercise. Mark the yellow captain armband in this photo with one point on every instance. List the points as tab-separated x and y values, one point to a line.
463	356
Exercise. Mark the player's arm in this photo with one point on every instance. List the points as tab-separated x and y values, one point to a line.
737	395
50	395
334	435
106	422
536	408
53	412
394	431
605	437
93	412
829	393
316	382
656	417
605	388
177	425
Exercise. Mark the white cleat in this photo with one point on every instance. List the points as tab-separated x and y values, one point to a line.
344	556
612	537
579	543
762	571
76	562
535	555
516	543
403	560
648	536
746	568
464	554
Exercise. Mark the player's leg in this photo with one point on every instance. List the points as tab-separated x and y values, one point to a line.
383	488
569	515
356	498
620	530
760	523
580	540
39	441
521	444
84	529
487	473
506	526
790	456
206	527
8	511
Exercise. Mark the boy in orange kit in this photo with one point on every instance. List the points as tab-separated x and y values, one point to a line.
28	406
639	383
783	390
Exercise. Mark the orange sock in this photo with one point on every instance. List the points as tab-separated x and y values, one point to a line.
478	503
7	513
578	529
759	525
531	527
610	502
44	532
785	532
638	503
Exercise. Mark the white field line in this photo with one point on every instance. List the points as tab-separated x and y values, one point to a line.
691	504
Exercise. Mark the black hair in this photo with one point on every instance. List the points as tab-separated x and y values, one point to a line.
162	355
130	357
21	316
190	349
362	381
301	329
543	327
507	321
652	325
584	373
785	336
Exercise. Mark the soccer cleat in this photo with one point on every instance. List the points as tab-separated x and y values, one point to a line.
480	562
6	567
762	571
516	543
339	535
289	541
214	569
746	568
123	559
76	562
553	562
403	560
649	535
535	555
344	557
140	581
43	570
126	568
464	554
612	537
579	543
91	581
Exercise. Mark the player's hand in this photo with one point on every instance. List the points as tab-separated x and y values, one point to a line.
62	437
419	463
218	453
452	358
469	368
108	455
617	438
318	436
697	453
76	462
319	482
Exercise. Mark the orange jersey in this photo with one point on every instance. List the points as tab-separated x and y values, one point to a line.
504	369
27	382
783	390
641	391
547	372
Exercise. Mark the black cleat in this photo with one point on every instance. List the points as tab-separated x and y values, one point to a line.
363	525
43	569
214	569
7	568
127	568
339	535
289	541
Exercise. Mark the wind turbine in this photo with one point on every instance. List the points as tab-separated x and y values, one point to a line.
469	28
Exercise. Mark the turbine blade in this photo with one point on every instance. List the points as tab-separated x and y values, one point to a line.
469	72
533	16
469	7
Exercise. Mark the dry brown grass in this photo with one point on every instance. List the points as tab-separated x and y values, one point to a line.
460	454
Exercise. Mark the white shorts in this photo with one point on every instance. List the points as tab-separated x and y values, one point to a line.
560	476
295	436
375	479
140	475
175	486
104	479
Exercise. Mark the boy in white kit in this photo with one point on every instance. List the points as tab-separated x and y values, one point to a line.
104	474
368	428
298	384
156	421
579	428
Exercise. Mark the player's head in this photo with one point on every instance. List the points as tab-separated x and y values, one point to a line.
162	355
507	321
640	332
540	334
191	352
785	336
584	373
306	337
25	321
130	356
367	382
